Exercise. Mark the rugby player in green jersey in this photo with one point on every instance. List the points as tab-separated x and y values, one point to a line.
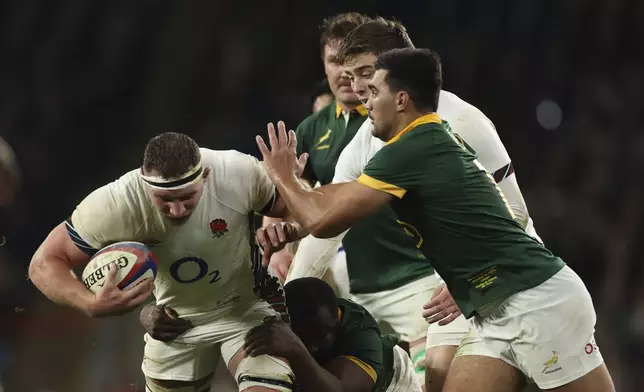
328	130
532	318
333	344
379	254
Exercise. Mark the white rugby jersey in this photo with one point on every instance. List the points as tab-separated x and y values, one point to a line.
314	255
205	263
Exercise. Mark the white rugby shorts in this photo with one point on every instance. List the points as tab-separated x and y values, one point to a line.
547	332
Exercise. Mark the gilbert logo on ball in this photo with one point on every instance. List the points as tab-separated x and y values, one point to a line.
134	261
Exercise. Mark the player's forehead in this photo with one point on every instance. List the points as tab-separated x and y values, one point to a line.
362	61
331	49
182	193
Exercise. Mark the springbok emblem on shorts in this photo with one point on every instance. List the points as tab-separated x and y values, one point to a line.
551	362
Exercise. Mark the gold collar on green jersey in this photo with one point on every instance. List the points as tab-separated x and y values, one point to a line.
360	109
426	119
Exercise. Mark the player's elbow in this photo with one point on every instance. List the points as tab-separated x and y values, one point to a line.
40	267
35	267
324	228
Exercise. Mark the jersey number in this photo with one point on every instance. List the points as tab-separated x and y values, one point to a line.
464	145
203	271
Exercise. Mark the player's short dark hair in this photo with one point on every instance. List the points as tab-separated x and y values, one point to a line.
171	154
416	71
375	36
338	26
306	296
320	89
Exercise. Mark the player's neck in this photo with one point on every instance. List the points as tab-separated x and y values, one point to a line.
404	119
348	106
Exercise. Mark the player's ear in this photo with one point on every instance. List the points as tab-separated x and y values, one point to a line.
402	101
206	172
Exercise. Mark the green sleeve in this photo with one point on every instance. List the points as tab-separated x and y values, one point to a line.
304	132
364	348
393	169
426	159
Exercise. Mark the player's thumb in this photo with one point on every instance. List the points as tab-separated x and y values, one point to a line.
110	279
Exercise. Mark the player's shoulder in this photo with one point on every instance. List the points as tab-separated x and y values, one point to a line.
354	317
124	193
229	164
114	209
316	120
464	118
475	128
233	176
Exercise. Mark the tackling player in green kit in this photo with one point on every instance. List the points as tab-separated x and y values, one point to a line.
333	343
532	318
379	254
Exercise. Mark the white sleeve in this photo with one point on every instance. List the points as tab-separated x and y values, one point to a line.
481	135
355	155
314	256
241	179
101	219
263	194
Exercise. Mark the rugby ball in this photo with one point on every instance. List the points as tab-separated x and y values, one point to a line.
134	261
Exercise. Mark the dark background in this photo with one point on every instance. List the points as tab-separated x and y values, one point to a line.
84	84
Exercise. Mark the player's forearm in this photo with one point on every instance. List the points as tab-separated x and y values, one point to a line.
314	208
57	281
311	376
314	257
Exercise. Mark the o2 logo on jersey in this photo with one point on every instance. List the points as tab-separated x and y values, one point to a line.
194	269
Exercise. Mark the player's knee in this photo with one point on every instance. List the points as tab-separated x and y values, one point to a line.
154	385
440	357
263	373
437	363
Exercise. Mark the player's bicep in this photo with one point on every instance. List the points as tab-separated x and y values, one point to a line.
78	240
59	245
354	374
352	201
395	169
363	199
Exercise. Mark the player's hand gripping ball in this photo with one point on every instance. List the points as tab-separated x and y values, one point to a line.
135	262
121	277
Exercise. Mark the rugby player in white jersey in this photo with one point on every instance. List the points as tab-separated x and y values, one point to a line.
194	207
447	328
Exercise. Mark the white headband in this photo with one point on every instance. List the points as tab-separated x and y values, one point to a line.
192	176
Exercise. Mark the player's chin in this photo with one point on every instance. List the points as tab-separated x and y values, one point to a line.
345	94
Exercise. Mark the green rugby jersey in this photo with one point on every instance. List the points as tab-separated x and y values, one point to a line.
359	341
468	228
382	252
